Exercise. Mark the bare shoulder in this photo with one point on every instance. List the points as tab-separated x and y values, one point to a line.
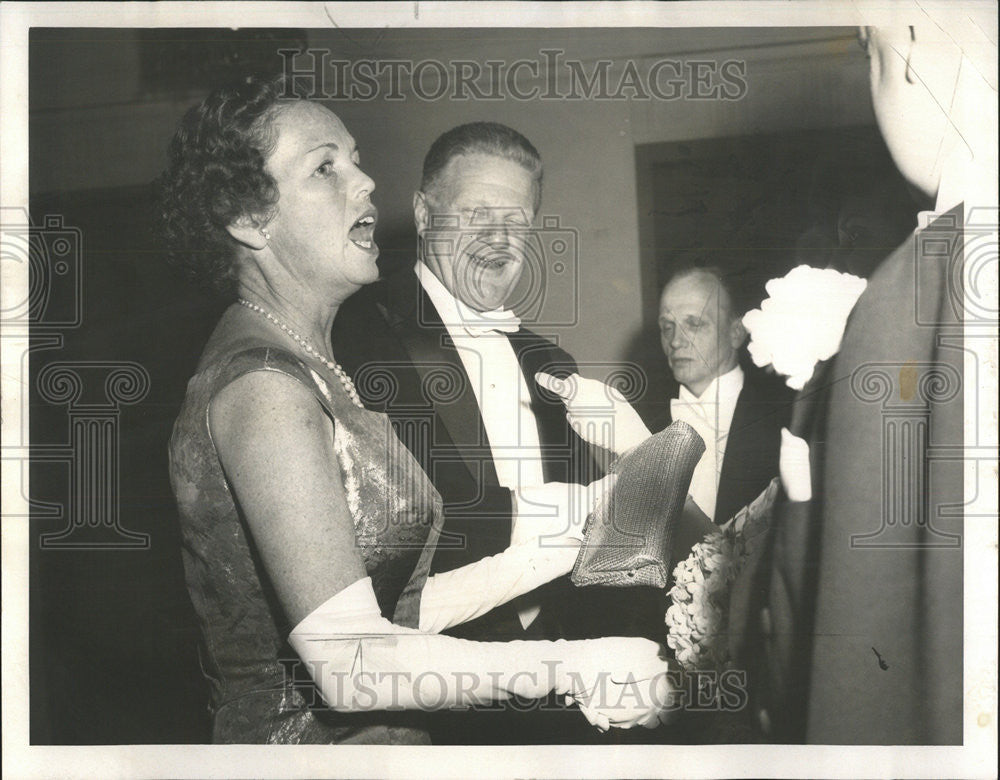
265	403
276	446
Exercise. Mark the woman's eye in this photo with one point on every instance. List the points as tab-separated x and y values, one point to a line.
325	169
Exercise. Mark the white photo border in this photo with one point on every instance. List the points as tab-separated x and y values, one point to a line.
975	758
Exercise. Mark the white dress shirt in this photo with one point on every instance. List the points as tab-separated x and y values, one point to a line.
711	415
500	387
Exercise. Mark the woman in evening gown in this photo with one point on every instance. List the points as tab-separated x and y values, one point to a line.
307	527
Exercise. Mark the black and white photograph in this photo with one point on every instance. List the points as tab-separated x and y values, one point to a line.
504	389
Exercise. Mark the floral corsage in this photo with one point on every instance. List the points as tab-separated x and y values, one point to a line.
802	320
698	618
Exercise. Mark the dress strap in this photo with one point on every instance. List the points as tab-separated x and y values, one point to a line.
270	358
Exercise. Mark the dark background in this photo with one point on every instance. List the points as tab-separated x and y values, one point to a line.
113	639
754	207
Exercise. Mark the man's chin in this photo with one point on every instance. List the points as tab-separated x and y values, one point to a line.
487	297
485	304
684	376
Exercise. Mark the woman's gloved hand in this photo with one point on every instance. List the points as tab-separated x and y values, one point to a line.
598	413
618	682
555	509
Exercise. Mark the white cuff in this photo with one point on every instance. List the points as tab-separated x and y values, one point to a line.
354	609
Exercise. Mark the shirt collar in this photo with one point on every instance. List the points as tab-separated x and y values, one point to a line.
454	313
721	389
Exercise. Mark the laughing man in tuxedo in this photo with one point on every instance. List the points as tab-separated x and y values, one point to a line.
434	347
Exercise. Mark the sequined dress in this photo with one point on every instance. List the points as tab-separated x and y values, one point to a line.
259	691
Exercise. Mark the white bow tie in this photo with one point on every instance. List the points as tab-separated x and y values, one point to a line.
700	415
500	321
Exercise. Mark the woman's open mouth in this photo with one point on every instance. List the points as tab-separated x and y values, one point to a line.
362	231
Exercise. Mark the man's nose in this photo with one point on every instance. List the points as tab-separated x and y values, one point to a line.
496	235
678	339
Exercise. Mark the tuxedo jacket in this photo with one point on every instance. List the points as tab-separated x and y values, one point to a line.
763	408
390	339
849	625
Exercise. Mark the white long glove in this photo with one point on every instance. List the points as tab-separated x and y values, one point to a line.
547	529
548	513
793	467
458	596
361	662
598	413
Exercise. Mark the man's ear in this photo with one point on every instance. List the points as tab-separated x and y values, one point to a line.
737	333
421	212
248	232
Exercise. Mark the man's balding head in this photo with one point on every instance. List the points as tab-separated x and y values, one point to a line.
700	327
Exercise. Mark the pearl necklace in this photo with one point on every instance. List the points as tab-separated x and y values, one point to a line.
334	366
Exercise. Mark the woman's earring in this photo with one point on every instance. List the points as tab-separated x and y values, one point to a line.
267	236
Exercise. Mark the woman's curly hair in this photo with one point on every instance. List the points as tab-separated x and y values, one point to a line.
215	174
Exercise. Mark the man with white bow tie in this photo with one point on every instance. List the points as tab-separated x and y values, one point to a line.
738	412
434	347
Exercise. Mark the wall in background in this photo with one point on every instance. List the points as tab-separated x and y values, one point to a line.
113	632
95	125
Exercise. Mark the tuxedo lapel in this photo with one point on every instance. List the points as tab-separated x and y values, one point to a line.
565	457
444	382
741	443
753	443
420	331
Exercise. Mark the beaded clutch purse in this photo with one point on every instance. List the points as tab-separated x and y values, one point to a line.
628	538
